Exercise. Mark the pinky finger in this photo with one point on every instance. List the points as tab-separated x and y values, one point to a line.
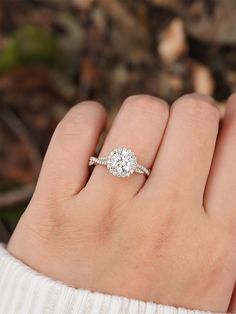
65	167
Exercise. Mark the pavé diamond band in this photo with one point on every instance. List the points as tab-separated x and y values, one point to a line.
121	162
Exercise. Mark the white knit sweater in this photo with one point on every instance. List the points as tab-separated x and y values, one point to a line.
24	291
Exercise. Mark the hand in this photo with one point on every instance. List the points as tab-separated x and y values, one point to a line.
168	238
232	308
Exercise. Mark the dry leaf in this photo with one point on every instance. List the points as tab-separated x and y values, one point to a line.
202	79
173	42
217	27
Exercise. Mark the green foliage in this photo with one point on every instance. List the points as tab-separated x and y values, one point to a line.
31	45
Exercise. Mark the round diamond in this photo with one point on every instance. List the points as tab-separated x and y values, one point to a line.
121	162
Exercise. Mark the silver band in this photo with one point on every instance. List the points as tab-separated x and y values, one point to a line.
121	162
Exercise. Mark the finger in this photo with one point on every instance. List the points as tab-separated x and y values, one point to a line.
65	167
139	125
183	162
232	307
220	197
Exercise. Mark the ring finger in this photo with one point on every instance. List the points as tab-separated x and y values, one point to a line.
139	125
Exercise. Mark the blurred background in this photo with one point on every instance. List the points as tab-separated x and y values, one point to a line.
55	53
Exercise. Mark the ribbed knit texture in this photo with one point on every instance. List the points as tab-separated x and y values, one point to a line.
24	291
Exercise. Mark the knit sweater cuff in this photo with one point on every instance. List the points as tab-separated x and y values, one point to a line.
23	290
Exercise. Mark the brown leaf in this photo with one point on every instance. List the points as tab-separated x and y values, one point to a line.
202	79
217	27
173	42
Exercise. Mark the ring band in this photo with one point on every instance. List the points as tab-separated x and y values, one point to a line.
121	162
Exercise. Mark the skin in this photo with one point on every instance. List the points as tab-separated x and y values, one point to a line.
168	238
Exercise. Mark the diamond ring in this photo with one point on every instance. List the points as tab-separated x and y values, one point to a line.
121	162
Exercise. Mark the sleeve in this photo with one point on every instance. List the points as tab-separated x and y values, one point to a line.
23	290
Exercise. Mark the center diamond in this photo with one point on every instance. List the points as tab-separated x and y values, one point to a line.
121	162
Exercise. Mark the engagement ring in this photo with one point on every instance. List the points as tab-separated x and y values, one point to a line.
121	162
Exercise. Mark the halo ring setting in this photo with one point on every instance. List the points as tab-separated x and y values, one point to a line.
121	162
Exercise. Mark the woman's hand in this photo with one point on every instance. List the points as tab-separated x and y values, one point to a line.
232	307
168	238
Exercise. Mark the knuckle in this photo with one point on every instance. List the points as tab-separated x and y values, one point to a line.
232	98
196	105
71	127
86	107
68	132
75	122
145	104
80	117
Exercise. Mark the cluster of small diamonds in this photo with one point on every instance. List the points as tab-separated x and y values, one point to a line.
97	161
121	162
141	169
128	165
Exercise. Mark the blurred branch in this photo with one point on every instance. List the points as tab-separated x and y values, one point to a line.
216	27
129	36
118	13
207	21
17	126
